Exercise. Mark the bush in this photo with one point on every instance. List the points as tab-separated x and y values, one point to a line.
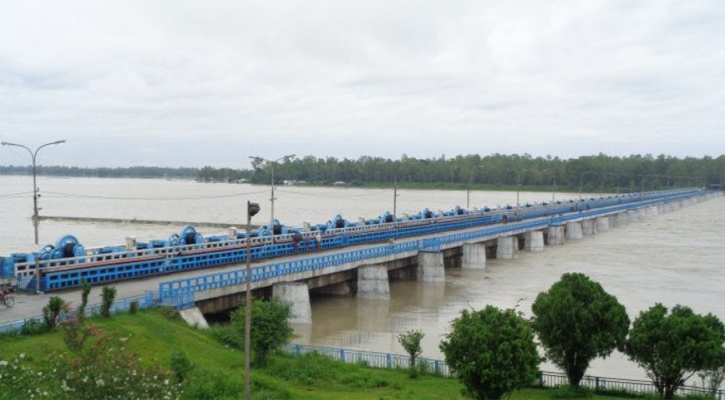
33	327
272	330
410	341
133	307
52	312
571	392
181	365
108	294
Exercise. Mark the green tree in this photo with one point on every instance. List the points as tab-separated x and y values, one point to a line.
108	294
410	341
492	352
270	327
671	348
577	321
52	312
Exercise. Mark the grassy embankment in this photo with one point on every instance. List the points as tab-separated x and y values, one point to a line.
218	372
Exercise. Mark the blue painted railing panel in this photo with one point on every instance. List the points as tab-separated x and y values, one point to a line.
54	280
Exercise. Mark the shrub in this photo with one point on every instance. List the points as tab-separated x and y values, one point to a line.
52	312
271	327
108	294
410	341
571	392
181	365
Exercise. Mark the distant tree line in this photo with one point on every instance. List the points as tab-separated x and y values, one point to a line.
634	172
120	172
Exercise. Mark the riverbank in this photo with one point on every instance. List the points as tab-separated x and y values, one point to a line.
158	335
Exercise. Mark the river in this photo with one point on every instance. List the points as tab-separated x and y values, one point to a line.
673	258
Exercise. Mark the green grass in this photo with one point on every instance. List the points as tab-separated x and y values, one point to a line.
218	371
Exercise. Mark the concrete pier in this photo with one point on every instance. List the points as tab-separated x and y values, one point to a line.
602	224
588	227
298	295
474	256
534	241
372	282
632	216
556	235
507	248
194	317
431	267
573	230
651	211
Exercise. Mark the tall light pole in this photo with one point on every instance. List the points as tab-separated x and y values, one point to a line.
33	157
581	181
272	198
518	184
252	210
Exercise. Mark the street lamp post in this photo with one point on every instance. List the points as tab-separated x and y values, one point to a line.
252	210
518	184
272	198
33	157
581	181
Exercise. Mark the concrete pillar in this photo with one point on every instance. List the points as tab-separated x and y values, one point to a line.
622	218
507	248
660	208
614	220
602	224
194	317
131	244
588	227
573	230
372	282
534	241
298	295
474	256
641	214
556	235
632	215
651	211
431	267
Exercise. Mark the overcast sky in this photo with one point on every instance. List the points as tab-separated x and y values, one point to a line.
182	83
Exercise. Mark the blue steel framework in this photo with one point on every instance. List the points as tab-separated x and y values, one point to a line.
95	268
179	292
547	379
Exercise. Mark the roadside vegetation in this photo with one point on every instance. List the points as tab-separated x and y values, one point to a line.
153	354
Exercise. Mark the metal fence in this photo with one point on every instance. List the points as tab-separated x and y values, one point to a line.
179	292
149	299
439	367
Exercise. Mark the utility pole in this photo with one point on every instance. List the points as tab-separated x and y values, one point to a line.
33	157
271	164
252	210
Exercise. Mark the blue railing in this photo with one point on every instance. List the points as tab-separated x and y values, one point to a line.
149	299
179	292
439	367
173	261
